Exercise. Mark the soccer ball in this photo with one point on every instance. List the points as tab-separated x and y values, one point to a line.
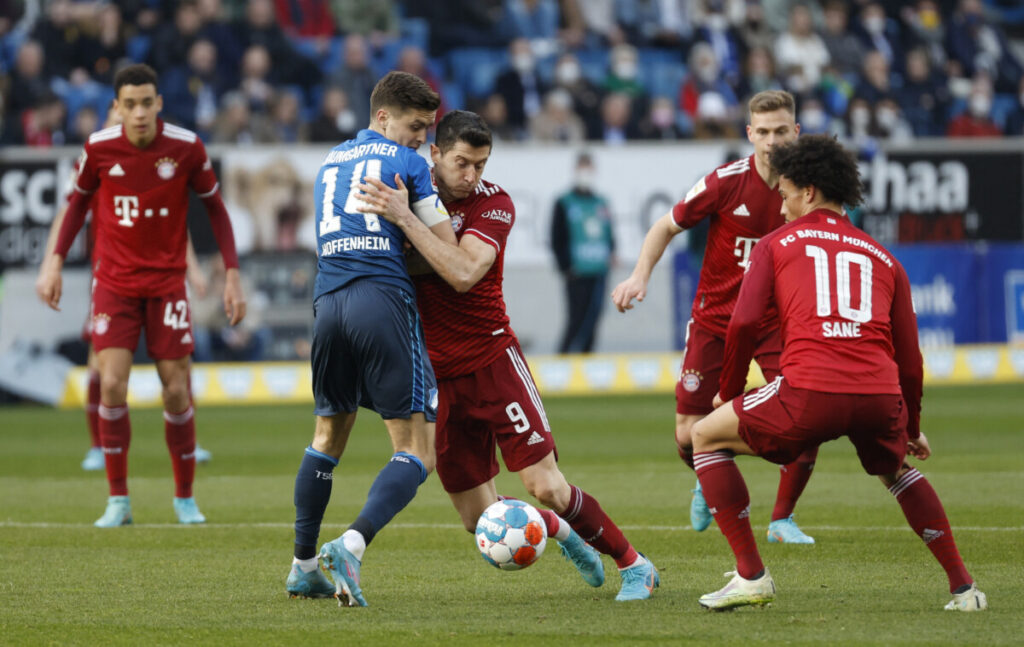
511	534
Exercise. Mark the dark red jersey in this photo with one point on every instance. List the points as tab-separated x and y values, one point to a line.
742	209
140	205
466	332
847	319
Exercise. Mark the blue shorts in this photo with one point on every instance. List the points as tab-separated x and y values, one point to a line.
368	351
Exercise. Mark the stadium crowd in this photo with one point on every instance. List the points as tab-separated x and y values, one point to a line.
285	71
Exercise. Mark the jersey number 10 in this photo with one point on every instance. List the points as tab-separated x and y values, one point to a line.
331	221
823	287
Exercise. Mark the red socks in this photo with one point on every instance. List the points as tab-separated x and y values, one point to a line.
180	433
792	482
115	436
729	502
92	408
587	518
924	513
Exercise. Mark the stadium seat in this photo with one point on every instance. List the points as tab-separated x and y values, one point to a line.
594	63
476	68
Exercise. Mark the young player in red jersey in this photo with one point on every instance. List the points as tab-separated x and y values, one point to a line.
486	394
743	204
851	366
141	172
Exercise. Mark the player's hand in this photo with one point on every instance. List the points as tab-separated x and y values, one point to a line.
49	284
919	448
379	198
234	298
718	401
625	292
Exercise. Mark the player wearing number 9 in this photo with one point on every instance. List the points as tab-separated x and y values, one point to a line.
851	366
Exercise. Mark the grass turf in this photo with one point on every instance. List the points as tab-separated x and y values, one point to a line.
868	580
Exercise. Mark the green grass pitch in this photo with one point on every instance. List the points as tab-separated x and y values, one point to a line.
868	580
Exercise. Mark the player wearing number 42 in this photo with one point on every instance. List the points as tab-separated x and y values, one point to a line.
823	274
140	172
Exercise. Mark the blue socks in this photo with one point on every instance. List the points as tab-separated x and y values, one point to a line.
312	493
393	489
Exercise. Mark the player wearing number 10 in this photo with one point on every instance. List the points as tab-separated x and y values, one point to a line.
851	366
368	347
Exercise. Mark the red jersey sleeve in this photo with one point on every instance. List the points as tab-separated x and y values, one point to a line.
906	350
202	178
87	178
494	222
700	202
86	181
756	294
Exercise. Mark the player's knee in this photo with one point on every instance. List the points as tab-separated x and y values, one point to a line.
176	395
549	492
113	390
684	435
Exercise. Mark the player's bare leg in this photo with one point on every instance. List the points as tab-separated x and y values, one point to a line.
471	503
312	494
395	486
925	514
180	434
115	366
716	441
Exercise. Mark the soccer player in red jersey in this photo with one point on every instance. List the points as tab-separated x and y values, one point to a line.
851	366
140	172
486	394
741	200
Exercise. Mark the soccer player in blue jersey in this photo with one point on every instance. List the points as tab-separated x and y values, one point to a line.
368	347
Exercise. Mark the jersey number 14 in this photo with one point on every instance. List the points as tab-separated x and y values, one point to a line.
331	221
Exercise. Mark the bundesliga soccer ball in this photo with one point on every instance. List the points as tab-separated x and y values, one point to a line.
511	535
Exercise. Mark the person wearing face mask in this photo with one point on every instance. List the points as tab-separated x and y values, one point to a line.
583	241
520	85
978	45
878	33
976	121
660	122
586	97
724	40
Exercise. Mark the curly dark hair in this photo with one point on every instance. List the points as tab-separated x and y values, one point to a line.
137	74
822	162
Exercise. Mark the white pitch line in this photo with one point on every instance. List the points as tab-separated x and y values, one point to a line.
453	526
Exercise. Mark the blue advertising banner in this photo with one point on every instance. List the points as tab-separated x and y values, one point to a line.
1001	313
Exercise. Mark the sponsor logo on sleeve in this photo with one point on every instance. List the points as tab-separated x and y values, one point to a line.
498	214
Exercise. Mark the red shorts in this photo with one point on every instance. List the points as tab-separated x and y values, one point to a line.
117	321
498	404
779	422
701	368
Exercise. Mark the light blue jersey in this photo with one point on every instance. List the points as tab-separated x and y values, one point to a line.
352	245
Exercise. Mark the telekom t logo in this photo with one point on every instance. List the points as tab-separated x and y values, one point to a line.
742	249
127	207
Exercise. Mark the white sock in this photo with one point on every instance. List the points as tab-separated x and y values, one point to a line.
639	560
564	530
307	565
354	543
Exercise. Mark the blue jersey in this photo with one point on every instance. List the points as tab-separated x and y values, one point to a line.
352	245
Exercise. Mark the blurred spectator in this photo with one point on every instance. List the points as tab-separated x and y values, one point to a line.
495	113
616	119
376	20
356	78
715	119
923	97
624	73
600	22
305	18
192	92
215	340
173	40
60	36
583	240
586	97
925	29
660	122
557	122
1015	120
704	83
218	30
890	123
520	85
879	33
979	46
860	125
84	123
758	74
813	118
800	54
256	84
103	52
659	23
875	78
726	43
754	29
29	83
413	59
845	50
977	120
237	125
260	28
286	124
336	121
42	125
460	23
534	20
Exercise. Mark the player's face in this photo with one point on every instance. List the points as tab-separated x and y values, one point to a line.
795	201
769	129
138	106
408	128
458	170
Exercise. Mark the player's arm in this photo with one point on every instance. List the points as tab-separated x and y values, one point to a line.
741	337
656	242
907	353
461	264
51	243
49	284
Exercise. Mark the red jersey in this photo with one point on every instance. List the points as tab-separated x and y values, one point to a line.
466	332
140	205
847	319
742	209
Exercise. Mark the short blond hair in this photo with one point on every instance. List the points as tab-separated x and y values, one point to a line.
770	101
